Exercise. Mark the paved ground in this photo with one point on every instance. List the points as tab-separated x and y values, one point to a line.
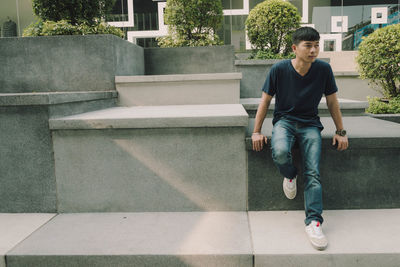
275	238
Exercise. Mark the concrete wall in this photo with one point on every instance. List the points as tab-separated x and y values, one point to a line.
363	177
66	63
255	72
27	179
341	60
188	60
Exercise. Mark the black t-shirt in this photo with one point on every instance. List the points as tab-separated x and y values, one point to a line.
297	97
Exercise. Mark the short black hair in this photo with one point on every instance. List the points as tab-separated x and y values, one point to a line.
305	34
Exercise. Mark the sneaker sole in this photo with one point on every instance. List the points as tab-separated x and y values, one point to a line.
317	247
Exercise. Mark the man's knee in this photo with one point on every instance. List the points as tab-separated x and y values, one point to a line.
281	155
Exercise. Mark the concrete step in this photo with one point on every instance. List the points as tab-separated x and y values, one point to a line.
14	228
138	239
165	158
365	238
348	107
364	176
357	238
179	89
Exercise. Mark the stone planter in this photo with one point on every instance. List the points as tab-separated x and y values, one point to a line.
66	63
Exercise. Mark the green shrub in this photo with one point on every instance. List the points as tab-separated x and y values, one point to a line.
377	106
270	25
74	11
63	27
192	23
71	17
379	59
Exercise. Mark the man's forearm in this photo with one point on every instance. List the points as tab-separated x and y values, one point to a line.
336	114
260	116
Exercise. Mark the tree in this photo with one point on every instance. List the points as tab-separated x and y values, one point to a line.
74	11
192	23
270	25
379	59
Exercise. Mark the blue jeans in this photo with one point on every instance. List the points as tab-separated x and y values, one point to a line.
284	135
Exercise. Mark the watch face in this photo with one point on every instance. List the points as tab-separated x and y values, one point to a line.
341	132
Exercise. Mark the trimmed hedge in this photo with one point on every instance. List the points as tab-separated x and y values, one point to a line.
379	59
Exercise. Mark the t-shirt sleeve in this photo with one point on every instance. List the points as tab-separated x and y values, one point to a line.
330	87
270	83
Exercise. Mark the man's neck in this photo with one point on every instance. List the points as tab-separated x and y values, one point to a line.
300	66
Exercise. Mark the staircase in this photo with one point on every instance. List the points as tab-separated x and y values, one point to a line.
172	181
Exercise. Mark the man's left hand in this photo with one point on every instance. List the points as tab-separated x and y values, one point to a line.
341	141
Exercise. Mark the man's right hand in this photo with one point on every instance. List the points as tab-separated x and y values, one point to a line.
258	141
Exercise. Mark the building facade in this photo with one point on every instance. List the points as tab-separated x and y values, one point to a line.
341	23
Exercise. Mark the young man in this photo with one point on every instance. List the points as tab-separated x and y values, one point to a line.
298	86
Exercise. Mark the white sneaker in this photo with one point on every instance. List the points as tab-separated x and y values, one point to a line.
289	187
316	236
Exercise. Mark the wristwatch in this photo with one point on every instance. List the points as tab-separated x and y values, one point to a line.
341	132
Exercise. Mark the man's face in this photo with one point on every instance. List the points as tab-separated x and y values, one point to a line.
306	51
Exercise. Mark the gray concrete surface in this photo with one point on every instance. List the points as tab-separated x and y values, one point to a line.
364	176
186	60
178	77
52	98
348	107
341	61
156	117
66	63
255	72
137	170
351	86
365	238
184	89
27	180
386	117
138	239
14	228
27	177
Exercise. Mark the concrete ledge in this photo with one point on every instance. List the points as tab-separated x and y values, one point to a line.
178	77
364	176
14	228
357	127
386	117
186	154
156	117
51	98
183	89
346	74
348	107
256	62
255	72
